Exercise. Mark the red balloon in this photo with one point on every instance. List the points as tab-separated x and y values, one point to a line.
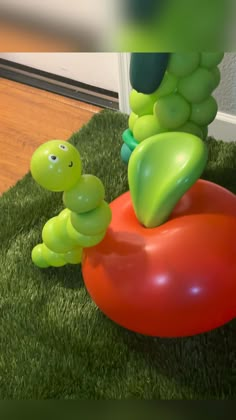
178	279
206	197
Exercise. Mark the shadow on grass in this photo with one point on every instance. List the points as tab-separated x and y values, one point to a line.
204	364
69	276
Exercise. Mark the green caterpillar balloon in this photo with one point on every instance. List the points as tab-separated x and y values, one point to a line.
56	166
181	102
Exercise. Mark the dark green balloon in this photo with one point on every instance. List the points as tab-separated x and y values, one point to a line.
125	153
143	10
147	71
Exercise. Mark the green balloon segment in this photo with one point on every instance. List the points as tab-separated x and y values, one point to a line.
183	64
172	111
198	86
160	171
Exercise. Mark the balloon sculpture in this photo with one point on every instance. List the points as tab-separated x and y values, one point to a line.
56	166
164	264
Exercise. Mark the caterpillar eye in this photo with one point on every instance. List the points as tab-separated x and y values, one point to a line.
63	147
53	158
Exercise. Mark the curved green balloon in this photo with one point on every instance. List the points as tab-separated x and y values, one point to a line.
172	111
146	126
87	194
56	165
93	222
53	258
212	59
167	86
55	235
85	241
140	103
160	171
132	118
198	86
191	128
38	257
182	64
216	76
64	214
74	256
205	112
43	257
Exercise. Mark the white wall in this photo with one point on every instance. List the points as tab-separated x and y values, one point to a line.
226	92
224	126
97	69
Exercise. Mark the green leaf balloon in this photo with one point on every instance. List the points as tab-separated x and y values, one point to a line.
161	169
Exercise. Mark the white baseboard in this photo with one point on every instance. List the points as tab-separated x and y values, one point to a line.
223	127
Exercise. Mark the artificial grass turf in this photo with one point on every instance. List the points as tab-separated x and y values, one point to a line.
55	343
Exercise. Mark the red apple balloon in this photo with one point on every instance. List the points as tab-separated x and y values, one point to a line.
167	265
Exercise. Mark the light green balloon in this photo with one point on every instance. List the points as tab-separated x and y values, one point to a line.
198	86
205	112
85	241
140	103
56	165
74	256
64	214
49	232
54	259
183	64
172	111
167	86
38	258
146	127
132	119
191	128
212	59
65	241
55	235
160	171
93	222
86	196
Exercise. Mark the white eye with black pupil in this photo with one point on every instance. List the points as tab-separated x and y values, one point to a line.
63	147
53	158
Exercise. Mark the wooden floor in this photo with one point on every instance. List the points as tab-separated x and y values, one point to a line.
29	117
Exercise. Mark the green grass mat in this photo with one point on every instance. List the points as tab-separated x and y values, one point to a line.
55	343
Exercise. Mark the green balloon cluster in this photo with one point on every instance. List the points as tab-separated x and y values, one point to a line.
183	102
83	223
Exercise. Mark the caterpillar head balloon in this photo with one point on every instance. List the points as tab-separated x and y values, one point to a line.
56	166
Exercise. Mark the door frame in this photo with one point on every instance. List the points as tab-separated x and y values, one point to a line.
124	82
